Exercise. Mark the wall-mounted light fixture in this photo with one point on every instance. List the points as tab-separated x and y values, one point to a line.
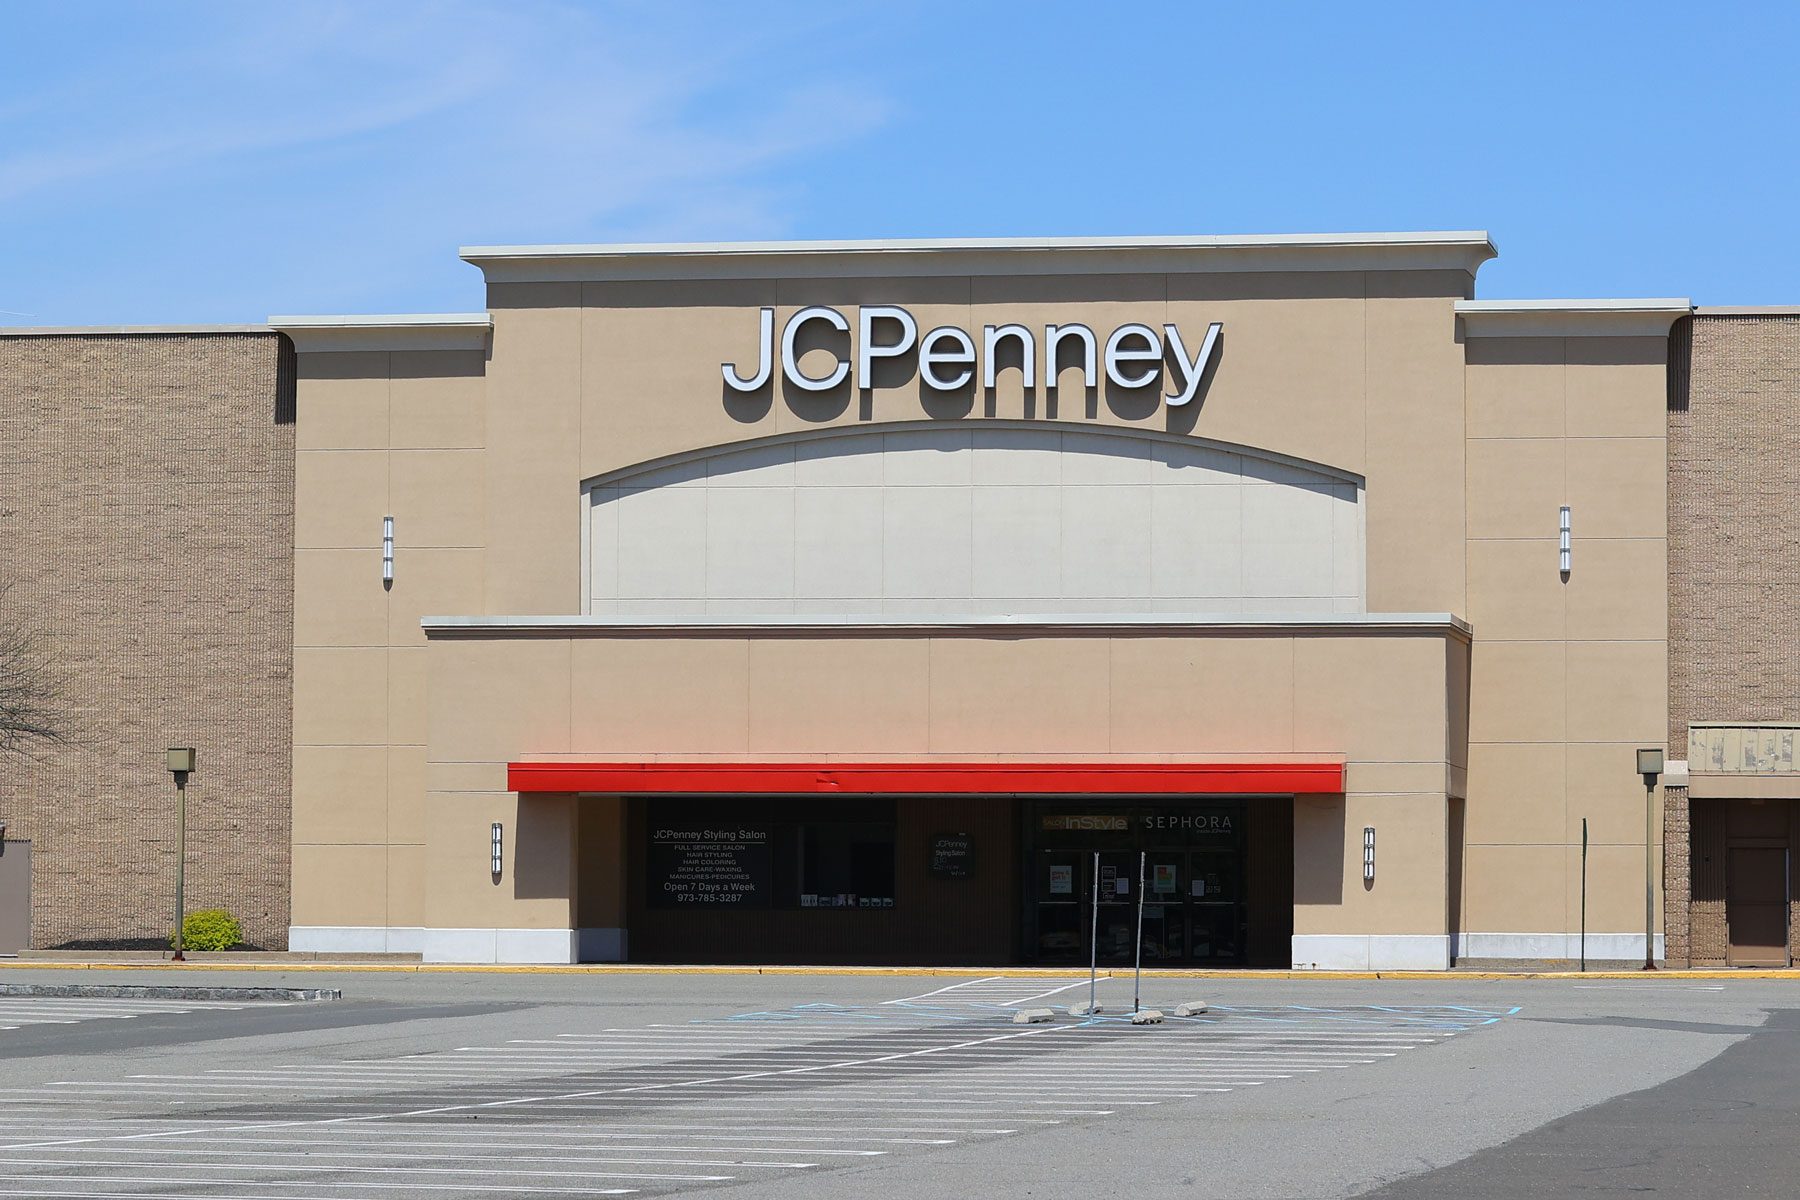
1368	854
387	549
495	844
1562	549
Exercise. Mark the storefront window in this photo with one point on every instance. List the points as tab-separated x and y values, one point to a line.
847	865
742	853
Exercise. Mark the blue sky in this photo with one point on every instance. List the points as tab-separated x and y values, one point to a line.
190	162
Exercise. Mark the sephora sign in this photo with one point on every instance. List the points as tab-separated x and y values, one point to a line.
1132	354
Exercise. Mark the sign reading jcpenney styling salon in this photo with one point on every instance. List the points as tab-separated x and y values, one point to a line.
1133	353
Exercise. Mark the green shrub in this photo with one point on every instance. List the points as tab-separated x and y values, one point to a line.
210	929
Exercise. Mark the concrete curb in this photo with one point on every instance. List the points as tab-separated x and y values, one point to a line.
415	968
126	991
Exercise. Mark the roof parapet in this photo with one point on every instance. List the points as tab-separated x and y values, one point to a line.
393	331
24	331
1462	250
1571	318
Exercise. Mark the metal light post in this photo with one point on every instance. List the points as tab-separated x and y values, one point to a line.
1650	765
1137	966
1584	856
1094	942
181	762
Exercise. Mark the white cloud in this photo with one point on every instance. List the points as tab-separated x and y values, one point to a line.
261	86
380	132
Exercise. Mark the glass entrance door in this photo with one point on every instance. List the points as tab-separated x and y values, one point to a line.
1118	905
1064	900
1193	882
1165	906
1216	900
1060	900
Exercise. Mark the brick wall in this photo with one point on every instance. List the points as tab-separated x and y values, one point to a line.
146	531
1677	855
1734	522
1734	573
1707	941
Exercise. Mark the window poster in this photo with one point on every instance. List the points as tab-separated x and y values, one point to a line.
952	856
1062	879
701	867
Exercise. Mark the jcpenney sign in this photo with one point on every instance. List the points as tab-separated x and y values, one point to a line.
1133	353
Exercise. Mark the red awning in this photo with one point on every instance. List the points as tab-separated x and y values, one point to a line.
928	778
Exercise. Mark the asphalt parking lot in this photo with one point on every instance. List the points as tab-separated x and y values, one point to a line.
434	1085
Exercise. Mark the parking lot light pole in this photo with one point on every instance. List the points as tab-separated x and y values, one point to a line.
181	762
1650	765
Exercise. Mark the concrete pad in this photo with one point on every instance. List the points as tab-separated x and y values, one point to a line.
122	991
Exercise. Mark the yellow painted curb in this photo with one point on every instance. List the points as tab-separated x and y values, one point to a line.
415	968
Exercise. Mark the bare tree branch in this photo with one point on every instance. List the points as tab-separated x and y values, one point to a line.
33	709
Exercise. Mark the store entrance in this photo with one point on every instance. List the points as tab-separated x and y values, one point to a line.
1194	864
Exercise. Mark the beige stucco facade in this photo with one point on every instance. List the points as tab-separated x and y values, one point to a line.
1358	403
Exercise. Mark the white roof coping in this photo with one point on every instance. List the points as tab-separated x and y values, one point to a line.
381	320
887	245
386	332
549	626
1648	317
1430	250
1657	304
126	330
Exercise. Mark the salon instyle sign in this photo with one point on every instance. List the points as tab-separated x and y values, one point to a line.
1132	354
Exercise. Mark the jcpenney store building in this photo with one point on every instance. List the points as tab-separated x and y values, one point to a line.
836	602
839	602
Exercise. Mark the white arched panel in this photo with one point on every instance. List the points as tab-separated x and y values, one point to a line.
976	520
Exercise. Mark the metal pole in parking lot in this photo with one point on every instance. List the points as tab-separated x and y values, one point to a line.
1137	970
1094	938
1584	893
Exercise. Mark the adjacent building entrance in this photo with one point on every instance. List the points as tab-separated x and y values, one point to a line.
15	895
1740	851
1756	906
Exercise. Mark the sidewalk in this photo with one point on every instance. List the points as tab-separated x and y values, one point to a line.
236	958
142	960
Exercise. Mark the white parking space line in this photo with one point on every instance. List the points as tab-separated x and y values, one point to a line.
620	1110
995	990
1674	987
139	1194
311	1185
508	1171
18	1012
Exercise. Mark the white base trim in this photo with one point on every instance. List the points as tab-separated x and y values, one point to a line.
1555	946
600	944
1371	952
356	939
500	946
